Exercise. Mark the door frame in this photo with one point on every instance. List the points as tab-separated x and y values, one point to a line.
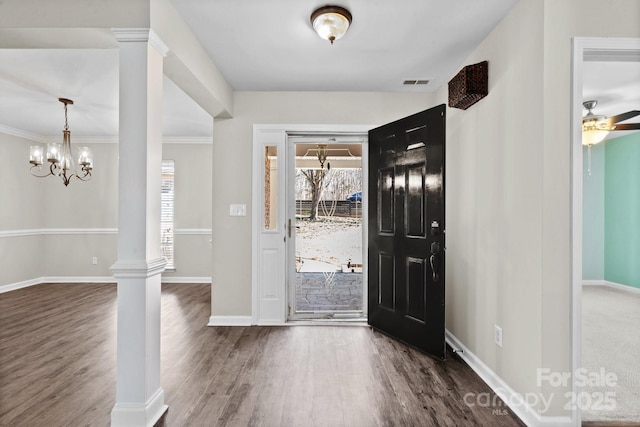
268	282
585	49
294	138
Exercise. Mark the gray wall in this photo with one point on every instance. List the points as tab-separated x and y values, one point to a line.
51	232
232	174
508	186
509	192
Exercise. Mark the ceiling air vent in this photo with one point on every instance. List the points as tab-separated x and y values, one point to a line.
415	82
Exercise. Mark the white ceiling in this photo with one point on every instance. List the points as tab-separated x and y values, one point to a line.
31	81
270	45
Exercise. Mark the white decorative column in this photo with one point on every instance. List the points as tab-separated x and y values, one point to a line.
139	397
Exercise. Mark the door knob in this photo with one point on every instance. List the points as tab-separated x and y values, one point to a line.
434	261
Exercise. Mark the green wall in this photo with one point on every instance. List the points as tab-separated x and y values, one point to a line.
593	214
622	210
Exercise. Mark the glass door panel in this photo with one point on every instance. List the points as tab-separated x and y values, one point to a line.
326	251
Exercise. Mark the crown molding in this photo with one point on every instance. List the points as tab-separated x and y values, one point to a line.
165	140
22	134
187	140
131	34
157	43
124	35
105	139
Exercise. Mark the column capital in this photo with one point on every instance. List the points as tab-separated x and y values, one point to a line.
124	35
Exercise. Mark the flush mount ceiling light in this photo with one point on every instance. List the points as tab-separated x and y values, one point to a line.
60	158
331	22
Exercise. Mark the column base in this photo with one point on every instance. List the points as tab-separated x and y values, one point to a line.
139	415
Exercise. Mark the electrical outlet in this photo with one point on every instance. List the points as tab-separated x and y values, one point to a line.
498	335
94	260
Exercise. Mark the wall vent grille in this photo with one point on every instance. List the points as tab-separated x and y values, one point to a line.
415	82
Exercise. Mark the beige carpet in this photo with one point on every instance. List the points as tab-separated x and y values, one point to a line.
611	340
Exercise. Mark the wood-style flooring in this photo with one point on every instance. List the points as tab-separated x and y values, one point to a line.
57	368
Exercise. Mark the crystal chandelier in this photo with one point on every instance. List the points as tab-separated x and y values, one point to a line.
60	158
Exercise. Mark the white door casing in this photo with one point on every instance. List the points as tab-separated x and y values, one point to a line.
338	139
269	258
585	49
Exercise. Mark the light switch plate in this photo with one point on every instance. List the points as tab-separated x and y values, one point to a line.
237	210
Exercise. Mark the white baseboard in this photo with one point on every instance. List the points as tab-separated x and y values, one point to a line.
103	279
593	283
272	322
625	288
555	421
511	398
41	280
618	286
19	285
229	321
147	414
204	279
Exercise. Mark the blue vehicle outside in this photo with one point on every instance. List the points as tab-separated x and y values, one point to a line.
355	197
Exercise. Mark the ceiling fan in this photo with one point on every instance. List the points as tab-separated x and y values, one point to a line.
596	127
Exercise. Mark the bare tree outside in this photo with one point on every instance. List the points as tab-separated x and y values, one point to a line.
315	178
320	184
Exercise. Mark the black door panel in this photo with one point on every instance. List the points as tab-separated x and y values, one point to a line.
406	256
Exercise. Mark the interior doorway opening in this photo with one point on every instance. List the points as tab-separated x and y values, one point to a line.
590	296
326	197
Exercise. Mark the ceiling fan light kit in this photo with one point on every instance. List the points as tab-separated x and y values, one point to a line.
596	127
331	22
469	86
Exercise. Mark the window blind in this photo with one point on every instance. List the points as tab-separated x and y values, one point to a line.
167	211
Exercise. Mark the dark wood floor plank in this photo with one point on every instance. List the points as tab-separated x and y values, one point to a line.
58	356
56	360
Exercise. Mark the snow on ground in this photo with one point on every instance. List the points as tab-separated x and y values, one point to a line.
333	240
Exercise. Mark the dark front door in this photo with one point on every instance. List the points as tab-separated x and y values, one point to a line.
406	229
